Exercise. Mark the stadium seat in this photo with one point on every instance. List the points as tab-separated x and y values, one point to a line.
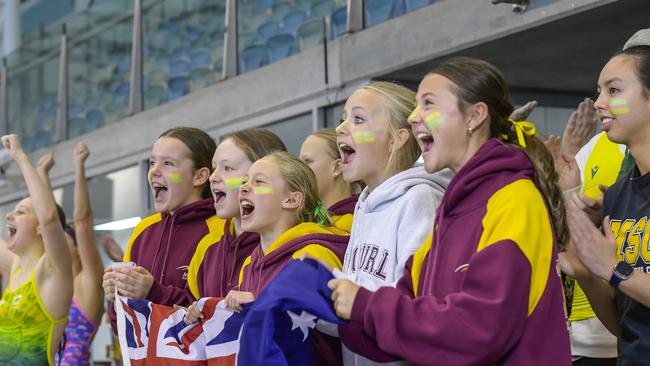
280	10
266	4
281	46
411	5
201	77
377	11
267	30
252	57
178	87
179	68
322	8
338	21
201	58
310	34
94	120
292	21
42	139
75	127
155	95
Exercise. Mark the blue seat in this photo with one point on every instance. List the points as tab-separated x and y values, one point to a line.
75	127
281	46
178	87
310	34
293	21
155	95
121	93
201	77
194	33
377	11
266	4
339	21
201	58
252	57
322	8
74	109
267	30
411	5
280	10
94	120
182	52
42	139
179	68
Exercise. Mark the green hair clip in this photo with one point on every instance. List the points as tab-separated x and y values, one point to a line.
320	214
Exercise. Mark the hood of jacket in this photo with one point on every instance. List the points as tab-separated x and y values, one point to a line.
494	160
395	186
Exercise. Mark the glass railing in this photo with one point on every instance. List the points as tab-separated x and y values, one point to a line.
183	48
99	67
32	100
271	30
378	11
183	51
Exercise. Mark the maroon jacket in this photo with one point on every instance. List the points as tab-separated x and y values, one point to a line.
261	269
214	270
486	289
164	245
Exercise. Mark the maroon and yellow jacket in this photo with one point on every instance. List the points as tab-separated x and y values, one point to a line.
342	213
214	269
485	289
327	244
164	244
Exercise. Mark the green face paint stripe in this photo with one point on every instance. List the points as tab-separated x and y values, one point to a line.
617	102
433	120
175	178
234	183
263	190
363	136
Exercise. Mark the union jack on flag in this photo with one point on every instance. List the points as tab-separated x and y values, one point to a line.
152	334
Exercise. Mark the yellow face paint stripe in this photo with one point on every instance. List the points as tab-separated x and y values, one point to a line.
234	183
433	120
413	114
263	190
175	178
363	136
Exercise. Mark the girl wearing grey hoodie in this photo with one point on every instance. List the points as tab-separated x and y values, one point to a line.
395	212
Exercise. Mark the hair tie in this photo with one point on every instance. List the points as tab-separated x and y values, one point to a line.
523	128
320	213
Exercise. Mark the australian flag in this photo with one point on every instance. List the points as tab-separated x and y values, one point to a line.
276	329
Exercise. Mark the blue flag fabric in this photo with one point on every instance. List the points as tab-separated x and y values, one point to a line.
277	329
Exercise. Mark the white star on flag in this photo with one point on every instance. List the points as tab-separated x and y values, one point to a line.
304	321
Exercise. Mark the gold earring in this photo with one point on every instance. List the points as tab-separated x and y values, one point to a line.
470	131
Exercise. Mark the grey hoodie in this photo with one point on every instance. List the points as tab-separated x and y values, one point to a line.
390	224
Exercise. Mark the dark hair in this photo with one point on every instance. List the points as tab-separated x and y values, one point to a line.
478	81
201	147
642	56
256	142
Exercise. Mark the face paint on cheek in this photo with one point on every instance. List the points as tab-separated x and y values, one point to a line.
149	176
413	114
433	120
619	106
234	183
363	137
263	190
175	178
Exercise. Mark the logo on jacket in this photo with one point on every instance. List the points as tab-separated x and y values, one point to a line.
594	170
184	269
462	268
370	259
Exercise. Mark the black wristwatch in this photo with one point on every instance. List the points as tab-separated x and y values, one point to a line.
622	271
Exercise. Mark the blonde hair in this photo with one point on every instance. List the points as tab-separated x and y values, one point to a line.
399	103
331	140
299	177
255	142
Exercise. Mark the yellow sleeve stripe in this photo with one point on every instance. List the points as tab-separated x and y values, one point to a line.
418	260
241	272
139	228
517	213
215	233
321	253
602	167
